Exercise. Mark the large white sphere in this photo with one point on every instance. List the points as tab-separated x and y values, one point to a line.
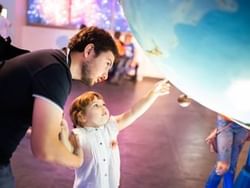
202	46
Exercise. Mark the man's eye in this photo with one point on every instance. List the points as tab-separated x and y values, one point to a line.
96	105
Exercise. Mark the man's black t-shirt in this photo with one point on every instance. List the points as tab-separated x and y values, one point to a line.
42	73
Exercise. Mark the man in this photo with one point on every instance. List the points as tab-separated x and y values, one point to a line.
33	91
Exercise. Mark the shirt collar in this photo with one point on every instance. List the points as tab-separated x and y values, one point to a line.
91	129
68	58
66	51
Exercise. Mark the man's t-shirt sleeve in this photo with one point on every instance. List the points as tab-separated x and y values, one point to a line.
52	83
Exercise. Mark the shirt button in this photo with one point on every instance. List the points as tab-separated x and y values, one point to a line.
104	160
100	143
96	129
106	174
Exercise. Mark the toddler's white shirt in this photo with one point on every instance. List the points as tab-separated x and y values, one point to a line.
101	167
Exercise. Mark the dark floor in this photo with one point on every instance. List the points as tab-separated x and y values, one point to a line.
164	148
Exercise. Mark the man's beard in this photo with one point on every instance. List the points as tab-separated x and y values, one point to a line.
85	77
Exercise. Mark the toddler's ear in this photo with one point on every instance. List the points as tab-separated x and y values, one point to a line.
81	118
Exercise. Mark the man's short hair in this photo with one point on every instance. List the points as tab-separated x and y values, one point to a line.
100	38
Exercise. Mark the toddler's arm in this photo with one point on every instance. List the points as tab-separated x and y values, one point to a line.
126	118
64	136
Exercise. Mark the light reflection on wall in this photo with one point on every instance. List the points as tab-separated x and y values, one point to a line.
106	14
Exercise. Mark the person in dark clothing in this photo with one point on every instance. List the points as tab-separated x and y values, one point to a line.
34	87
8	51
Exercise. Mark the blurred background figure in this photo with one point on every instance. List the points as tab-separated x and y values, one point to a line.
243	179
127	66
7	51
230	140
4	26
121	53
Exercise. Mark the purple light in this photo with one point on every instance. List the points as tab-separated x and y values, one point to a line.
102	13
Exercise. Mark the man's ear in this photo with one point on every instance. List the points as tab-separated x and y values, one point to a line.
88	49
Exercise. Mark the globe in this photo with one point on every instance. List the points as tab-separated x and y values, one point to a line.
202	47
